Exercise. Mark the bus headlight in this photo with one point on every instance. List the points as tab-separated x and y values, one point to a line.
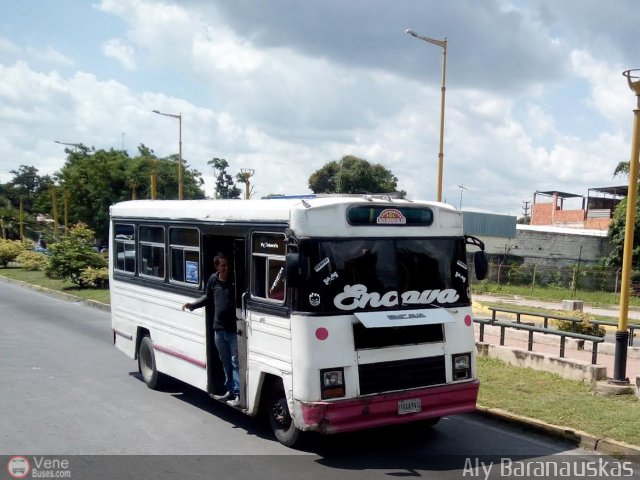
332	382
461	363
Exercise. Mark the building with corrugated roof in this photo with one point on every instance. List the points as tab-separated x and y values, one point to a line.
595	212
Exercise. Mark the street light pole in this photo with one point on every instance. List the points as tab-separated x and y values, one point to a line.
622	334
180	169
443	45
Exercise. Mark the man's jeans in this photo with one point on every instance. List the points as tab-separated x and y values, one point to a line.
227	345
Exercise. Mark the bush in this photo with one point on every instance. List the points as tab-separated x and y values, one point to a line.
585	327
73	254
96	277
30	260
9	251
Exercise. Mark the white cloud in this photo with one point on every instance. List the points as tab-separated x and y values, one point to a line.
117	49
283	90
7	45
49	55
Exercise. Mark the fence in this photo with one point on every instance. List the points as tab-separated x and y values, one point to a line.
589	278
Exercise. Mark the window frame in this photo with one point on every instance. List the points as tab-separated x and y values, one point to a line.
144	243
117	241
184	248
267	259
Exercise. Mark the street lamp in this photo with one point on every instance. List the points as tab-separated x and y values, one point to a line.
179	117
247	173
622	334
443	44
74	145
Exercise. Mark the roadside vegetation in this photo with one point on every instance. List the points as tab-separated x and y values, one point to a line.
553	399
553	293
72	266
15	272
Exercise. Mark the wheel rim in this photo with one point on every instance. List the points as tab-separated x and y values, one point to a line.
280	414
146	362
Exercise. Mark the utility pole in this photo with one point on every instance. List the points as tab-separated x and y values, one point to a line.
21	218
54	207
462	188
525	211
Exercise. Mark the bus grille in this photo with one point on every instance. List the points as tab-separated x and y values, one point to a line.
392	336
401	374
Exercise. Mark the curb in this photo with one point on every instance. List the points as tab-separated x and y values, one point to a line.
577	437
60	295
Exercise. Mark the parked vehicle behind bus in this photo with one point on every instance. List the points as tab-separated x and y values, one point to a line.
353	311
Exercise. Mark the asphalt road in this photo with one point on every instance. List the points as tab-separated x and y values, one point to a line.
67	393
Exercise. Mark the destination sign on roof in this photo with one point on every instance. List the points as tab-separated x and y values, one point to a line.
383	215
391	215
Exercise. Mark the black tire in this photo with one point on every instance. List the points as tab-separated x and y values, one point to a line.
147	365
280	418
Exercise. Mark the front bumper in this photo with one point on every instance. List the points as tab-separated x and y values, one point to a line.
382	409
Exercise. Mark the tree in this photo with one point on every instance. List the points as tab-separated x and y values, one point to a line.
225	185
621	169
617	227
96	180
26	183
73	254
616	235
30	187
353	175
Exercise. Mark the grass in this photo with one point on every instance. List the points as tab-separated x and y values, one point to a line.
40	279
553	399
594	299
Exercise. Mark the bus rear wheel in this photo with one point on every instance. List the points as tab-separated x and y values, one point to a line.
280	418
147	365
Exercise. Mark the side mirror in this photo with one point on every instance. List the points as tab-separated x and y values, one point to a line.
480	264
296	269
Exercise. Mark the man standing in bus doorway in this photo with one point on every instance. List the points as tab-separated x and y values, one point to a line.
220	299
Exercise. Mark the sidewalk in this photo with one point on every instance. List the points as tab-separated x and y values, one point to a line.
605	352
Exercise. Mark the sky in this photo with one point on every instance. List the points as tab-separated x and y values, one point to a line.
535	97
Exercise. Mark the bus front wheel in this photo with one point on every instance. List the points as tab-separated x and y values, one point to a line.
280	418
147	364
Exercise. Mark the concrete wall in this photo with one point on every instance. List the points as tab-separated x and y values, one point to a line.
559	247
566	368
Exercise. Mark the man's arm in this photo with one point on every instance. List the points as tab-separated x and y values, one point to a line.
202	301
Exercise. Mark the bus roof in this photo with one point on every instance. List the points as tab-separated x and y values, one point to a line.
324	209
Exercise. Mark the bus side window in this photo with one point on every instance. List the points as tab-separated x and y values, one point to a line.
184	247
267	266
125	244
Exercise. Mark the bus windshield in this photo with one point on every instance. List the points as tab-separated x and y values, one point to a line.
353	275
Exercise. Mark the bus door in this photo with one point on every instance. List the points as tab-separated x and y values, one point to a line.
242	292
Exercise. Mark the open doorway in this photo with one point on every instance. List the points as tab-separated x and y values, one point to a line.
233	247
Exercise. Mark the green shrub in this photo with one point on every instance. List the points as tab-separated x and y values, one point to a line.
96	277
585	326
30	260
9	251
73	254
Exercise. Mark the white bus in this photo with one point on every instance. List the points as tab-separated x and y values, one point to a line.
353	311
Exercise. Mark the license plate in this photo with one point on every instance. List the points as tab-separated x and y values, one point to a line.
411	405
